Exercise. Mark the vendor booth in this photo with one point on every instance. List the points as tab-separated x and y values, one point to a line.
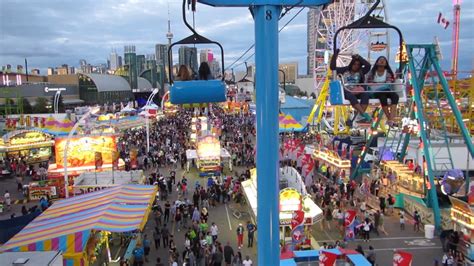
34	146
225	158
410	182
293	198
208	154
89	181
462	216
83	228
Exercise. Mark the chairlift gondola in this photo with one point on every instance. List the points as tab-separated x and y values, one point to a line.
336	95
196	91
378	46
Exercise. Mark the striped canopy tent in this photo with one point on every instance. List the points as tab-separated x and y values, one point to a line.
68	224
289	124
57	128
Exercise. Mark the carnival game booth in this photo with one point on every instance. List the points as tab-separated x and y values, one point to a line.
409	182
331	158
85	153
33	145
83	227
92	181
293	199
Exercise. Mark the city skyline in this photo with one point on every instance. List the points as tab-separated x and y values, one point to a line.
233	27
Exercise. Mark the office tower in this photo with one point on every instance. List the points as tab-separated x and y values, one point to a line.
131	63
188	57
114	61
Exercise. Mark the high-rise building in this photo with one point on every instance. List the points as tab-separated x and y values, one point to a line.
151	65
72	70
215	67
188	57
161	56
113	61
120	61
311	35
35	71
50	71
290	70
206	55
141	63
131	63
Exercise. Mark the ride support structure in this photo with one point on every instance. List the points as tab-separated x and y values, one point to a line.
266	14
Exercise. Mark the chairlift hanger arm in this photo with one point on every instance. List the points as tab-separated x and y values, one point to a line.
370	22
194	38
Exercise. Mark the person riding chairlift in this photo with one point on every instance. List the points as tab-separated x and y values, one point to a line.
382	73
354	73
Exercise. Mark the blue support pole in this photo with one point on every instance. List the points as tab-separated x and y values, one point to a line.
266	64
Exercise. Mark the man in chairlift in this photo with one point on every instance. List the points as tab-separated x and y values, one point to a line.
353	74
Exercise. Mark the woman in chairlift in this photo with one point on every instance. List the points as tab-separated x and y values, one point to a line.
353	74
205	72
183	73
382	73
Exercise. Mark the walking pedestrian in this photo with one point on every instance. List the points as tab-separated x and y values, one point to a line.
228	254
240	236
366	229
214	232
417	221
371	255
157	237
165	235
402	221
251	228
167	211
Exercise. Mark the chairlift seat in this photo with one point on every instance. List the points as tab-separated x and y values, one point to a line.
336	93
198	91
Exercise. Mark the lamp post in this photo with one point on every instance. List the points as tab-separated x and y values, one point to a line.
92	110
148	102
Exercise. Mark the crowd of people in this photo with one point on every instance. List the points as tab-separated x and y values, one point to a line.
183	205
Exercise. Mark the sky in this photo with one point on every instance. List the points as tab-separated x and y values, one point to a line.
53	32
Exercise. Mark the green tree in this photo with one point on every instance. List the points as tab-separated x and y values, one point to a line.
27	108
61	108
313	95
41	106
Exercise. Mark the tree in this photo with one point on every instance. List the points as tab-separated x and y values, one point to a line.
41	106
27	108
313	95
61	108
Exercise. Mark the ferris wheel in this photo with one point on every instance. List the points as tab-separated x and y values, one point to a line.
324	24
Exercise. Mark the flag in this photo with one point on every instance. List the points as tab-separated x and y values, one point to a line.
297	219
402	258
336	146
327	258
98	160
443	21
351	151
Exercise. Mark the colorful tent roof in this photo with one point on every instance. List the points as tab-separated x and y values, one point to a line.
66	225
288	123
57	128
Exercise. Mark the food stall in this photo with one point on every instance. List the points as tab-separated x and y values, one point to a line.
88	182
208	154
293	197
462	216
88	226
34	146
